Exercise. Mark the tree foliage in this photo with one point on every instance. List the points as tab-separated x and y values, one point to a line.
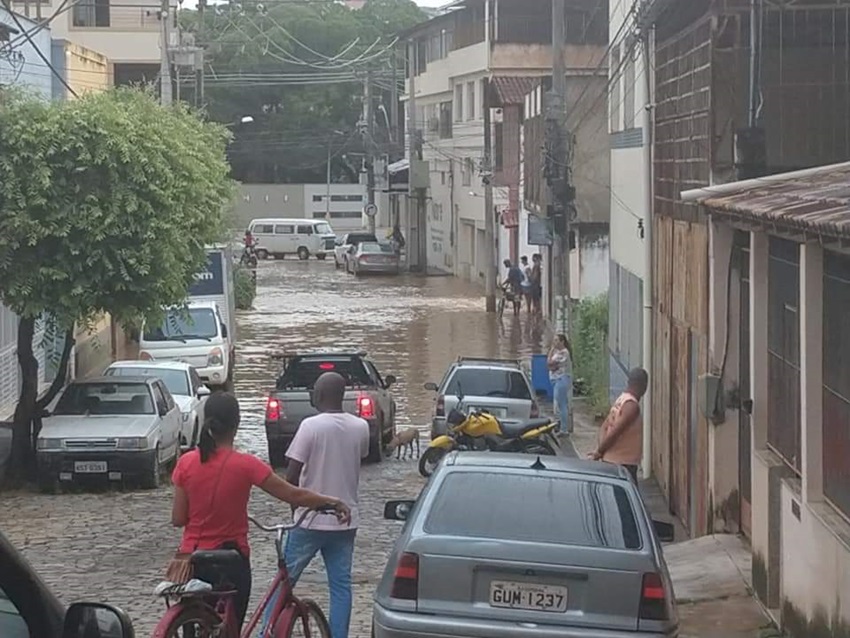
106	205
256	51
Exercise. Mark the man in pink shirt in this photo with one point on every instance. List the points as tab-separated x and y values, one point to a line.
327	451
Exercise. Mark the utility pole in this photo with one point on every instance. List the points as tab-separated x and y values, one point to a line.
558	172
164	63
199	73
369	129
491	271
328	188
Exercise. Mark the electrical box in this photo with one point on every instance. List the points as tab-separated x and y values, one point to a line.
420	174
711	399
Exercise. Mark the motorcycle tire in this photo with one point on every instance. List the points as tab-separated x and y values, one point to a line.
541	447
430	459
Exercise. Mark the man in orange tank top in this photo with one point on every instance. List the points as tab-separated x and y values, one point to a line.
621	435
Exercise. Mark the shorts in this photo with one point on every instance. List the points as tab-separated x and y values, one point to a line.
536	292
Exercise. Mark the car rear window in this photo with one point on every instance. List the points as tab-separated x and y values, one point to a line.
534	508
302	373
484	382
360	238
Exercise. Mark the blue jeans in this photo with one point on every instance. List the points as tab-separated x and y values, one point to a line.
337	548
562	389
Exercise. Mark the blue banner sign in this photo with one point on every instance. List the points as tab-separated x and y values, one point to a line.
209	281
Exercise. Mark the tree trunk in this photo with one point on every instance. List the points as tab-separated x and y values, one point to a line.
23	455
55	386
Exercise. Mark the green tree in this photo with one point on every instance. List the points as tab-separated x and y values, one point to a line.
106	205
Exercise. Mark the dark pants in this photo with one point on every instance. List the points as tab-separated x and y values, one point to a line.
236	576
633	471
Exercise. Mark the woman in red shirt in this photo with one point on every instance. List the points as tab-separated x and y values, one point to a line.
212	485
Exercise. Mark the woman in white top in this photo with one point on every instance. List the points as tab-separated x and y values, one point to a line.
560	364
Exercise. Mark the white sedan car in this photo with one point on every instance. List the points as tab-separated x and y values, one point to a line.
346	245
185	385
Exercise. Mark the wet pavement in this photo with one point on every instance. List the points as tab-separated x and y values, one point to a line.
113	546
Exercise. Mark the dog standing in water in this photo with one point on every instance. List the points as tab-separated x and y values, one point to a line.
403	442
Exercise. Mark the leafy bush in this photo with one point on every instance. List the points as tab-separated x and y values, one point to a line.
590	351
244	286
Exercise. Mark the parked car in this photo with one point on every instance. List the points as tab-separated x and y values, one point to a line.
499	386
345	245
185	385
113	428
373	258
28	609
500	545
278	237
367	395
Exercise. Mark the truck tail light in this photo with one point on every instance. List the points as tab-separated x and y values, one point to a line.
406	580
653	599
365	407
273	409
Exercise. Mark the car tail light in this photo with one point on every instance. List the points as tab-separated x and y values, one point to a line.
365	407
441	405
327	366
406	579
535	410
273	409
653	599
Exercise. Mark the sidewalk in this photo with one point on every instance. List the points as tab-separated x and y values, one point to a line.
711	575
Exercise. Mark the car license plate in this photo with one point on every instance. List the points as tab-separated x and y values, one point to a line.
90	467
499	413
511	595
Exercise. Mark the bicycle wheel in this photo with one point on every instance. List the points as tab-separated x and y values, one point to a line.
195	621
311	624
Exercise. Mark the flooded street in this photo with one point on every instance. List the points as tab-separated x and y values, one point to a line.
411	327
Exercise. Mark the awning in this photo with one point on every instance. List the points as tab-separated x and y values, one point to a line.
815	200
512	90
399	166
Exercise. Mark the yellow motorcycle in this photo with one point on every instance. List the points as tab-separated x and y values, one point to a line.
483	431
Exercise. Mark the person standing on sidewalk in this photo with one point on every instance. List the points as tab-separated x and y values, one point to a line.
621	435
560	362
326	454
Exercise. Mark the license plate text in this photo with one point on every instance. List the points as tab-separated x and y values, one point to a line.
511	595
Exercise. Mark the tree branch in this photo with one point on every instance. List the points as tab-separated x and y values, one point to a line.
61	373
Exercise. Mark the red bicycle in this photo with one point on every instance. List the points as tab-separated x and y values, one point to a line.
212	614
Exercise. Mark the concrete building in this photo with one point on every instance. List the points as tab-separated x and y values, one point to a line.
20	64
128	33
508	43
84	70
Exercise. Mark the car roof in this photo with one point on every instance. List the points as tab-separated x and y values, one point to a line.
201	304
285	220
487	362
501	461
166	365
115	380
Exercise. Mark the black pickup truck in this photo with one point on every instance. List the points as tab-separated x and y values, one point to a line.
367	395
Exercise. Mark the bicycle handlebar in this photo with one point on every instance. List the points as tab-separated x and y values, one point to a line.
326	509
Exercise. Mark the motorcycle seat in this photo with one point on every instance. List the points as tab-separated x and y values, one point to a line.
514	430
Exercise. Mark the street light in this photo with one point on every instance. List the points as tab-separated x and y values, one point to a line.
328	177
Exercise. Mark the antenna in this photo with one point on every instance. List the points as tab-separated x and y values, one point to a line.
538	465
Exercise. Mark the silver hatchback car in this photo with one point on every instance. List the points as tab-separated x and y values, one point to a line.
499	546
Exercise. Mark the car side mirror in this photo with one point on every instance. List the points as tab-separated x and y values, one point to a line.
389	380
397	510
431	386
224	331
162	409
203	391
666	532
94	620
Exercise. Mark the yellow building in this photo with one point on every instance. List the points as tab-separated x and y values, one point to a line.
83	69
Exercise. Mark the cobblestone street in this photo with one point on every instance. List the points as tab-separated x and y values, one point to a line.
112	546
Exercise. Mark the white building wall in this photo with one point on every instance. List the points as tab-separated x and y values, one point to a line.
346	205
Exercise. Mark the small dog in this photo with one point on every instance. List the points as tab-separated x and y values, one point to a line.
403	442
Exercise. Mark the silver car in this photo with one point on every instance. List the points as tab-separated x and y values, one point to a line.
373	258
499	386
500	545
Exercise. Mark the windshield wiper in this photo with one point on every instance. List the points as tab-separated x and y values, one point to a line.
175	338
185	337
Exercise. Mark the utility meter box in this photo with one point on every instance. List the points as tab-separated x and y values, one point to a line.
711	399
420	174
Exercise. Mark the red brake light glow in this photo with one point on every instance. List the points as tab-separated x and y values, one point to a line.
406	581
365	407
273	409
327	366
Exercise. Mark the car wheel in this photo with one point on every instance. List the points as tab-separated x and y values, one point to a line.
262	254
321	256
153	477
376	449
430	459
303	253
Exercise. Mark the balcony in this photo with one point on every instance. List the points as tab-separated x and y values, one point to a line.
101	14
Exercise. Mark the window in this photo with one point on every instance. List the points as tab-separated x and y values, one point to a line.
105	399
318	198
91	13
484	382
548	509
498	146
284	229
339	198
629	92
346	214
614	95
305	229
323	228
466	171
836	380
302	373
470	101
458	106
196	323
196	380
11	623
783	349
159	399
445	120
263	229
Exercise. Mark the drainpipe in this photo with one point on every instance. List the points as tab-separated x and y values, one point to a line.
648	123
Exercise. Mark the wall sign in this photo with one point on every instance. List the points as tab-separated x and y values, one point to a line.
539	231
210	281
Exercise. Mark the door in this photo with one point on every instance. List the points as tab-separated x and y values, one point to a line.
306	237
169	422
285	240
744	420
263	236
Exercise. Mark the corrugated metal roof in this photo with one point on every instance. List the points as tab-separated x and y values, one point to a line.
817	203
512	90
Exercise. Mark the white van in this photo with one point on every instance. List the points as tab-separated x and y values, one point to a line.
279	237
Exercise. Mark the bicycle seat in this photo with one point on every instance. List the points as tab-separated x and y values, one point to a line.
515	430
214	559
